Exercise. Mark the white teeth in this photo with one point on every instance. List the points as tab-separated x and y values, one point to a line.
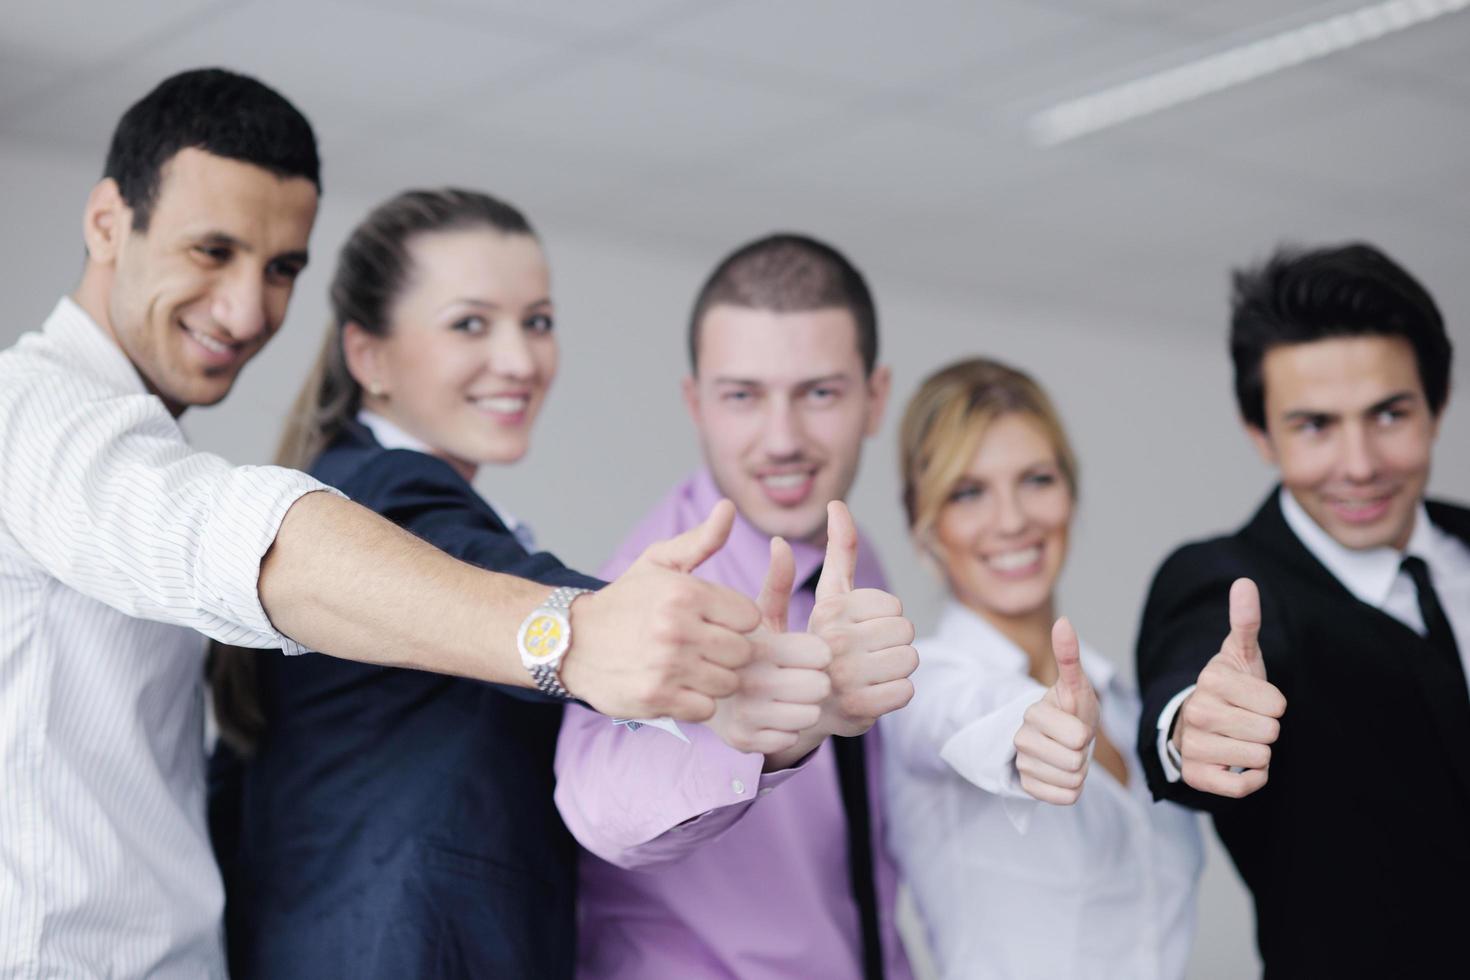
209	343
1013	560
503	404
785	481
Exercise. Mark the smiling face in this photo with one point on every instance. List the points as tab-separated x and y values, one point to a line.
1001	536
469	353
1348	425
200	292
782	405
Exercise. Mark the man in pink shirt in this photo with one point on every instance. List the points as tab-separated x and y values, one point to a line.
707	861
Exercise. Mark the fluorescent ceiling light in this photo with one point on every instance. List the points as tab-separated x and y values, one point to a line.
1232	66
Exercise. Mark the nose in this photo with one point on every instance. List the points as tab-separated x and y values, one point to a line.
510	351
1010	515
782	436
239	307
1359	457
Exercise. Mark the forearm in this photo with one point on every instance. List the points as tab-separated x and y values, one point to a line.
344	581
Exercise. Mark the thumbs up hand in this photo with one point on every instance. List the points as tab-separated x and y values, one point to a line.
782	688
871	640
1053	743
1227	726
658	641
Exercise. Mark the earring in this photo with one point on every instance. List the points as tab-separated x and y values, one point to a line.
375	388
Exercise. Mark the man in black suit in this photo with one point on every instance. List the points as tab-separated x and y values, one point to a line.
1340	675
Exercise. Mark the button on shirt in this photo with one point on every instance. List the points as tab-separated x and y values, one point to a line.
117	543
1009	887
702	865
1375	577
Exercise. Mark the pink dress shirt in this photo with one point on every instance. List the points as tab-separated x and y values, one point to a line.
700	865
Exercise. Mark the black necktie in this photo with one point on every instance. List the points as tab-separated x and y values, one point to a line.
852	781
1436	624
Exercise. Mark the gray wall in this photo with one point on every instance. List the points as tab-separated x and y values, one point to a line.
1148	405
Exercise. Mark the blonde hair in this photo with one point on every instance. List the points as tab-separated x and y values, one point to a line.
948	417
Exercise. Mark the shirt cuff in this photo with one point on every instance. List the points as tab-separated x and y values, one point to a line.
663	724
1169	756
246	519
984	753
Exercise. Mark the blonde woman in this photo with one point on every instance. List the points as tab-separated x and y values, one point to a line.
1097	880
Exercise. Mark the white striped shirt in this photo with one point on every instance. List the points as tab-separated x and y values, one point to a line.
117	543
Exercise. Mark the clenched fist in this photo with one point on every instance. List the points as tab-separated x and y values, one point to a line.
1053	743
1227	725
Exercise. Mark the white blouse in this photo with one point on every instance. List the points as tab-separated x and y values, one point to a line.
1007	886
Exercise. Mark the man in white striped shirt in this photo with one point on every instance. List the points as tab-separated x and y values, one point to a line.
118	542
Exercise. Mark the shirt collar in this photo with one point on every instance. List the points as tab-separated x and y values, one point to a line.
961	626
74	330
390	436
751	546
1367	573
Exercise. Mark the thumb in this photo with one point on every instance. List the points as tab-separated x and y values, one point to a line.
775	594
1071	681
687	551
841	560
1245	624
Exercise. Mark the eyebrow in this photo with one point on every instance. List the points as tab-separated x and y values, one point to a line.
1390	402
1374	409
725	379
485	304
225	238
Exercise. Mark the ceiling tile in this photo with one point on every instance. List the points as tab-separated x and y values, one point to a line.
571	18
628	108
867	47
1438	52
76	30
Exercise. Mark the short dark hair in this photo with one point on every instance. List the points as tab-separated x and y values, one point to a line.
789	273
1301	295
214	110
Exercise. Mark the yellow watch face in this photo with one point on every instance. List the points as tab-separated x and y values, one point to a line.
543	635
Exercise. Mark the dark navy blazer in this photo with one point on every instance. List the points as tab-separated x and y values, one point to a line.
397	823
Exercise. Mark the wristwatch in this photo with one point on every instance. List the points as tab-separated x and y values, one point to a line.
545	637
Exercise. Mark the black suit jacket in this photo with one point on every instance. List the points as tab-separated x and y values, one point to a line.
397	823
1358	847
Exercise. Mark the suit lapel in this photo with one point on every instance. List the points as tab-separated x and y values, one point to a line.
1441	685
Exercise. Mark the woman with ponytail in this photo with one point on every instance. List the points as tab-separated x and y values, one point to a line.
378	822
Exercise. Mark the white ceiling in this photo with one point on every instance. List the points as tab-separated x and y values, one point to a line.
895	129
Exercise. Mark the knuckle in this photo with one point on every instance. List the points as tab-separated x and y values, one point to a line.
852	704
1195	714
910	660
726	683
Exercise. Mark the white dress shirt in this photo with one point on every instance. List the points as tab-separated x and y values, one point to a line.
117	543
1009	887
1374	577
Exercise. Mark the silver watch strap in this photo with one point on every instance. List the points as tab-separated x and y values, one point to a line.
548	676
548	683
